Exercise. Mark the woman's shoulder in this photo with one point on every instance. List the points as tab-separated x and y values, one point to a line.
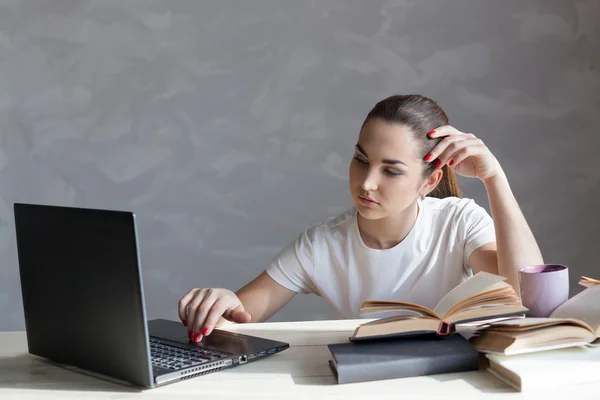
451	206
338	221
331	226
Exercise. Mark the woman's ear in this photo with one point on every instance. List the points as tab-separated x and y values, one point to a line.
431	183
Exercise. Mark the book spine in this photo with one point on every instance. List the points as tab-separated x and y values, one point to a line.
445	329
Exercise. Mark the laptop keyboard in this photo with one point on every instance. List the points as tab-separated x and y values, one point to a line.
172	357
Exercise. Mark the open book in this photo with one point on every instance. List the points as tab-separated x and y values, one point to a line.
576	322
588	282
483	296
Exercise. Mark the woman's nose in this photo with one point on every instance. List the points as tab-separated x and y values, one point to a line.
369	184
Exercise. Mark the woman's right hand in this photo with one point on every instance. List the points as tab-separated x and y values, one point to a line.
200	310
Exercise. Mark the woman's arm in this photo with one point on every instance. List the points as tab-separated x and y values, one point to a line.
203	309
263	297
516	245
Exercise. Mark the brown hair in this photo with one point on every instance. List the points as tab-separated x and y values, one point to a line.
421	115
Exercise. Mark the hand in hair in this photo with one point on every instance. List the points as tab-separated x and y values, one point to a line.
465	153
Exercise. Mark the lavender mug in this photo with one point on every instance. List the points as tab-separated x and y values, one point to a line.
543	288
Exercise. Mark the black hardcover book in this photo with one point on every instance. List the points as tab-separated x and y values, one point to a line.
401	358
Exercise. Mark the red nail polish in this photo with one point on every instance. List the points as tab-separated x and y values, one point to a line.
438	163
197	337
451	163
191	335
431	133
205	331
184	322
428	157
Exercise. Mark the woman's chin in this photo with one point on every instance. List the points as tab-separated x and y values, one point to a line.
368	212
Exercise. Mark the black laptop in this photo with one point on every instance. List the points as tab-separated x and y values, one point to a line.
84	307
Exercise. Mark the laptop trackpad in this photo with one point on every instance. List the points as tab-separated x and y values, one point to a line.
227	342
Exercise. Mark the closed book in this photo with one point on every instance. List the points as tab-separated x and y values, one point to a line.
547	370
400	358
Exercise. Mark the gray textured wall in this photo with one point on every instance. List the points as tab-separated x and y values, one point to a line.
228	126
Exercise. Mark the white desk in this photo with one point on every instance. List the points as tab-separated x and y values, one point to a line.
302	372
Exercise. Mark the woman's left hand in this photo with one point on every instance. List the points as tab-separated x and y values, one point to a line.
463	152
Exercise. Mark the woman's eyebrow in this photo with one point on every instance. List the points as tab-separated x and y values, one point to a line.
386	161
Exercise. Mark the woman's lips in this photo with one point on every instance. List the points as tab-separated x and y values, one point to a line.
367	201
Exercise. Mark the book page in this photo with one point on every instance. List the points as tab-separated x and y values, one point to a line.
377	306
486	313
478	283
396	326
584	306
528	324
548	336
494	298
588	282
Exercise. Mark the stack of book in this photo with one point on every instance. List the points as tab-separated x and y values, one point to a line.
419	341
523	352
531	353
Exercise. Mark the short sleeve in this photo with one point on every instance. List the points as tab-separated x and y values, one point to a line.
293	267
477	227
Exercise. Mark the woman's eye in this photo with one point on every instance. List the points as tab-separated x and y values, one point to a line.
393	173
387	171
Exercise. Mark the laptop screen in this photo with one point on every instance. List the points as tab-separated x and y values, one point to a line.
82	290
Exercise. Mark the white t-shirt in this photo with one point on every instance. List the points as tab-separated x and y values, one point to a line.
331	260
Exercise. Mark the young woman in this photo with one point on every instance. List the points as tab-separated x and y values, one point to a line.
411	236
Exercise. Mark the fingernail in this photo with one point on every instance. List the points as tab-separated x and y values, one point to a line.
191	335
431	133
451	163
184	322
428	157
205	331
197	337
438	163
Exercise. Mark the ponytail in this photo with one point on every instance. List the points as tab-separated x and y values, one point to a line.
448	185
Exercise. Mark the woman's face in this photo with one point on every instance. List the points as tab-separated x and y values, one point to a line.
386	173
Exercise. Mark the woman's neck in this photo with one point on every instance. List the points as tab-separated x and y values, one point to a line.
387	232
